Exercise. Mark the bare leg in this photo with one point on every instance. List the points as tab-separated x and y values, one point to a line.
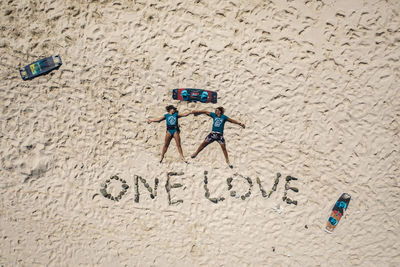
177	138
223	146
202	145
168	138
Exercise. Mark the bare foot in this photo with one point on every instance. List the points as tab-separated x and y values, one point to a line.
193	156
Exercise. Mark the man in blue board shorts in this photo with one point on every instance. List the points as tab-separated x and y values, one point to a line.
217	132
171	117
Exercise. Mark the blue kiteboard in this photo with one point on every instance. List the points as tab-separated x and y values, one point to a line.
40	67
337	212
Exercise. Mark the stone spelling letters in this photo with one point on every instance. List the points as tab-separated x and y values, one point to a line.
169	186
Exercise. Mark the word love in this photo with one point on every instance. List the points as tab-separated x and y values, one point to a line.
169	186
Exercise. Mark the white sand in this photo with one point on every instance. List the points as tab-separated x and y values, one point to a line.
315	82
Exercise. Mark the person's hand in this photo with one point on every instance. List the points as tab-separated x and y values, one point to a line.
148	121
242	124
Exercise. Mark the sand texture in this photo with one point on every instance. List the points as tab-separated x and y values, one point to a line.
316	83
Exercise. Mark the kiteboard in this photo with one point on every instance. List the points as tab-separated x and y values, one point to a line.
40	67
194	95
337	212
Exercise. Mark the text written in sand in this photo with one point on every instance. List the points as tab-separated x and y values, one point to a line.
169	186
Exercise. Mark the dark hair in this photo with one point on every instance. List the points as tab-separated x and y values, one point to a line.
168	108
221	109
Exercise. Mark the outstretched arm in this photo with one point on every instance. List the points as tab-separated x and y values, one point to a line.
236	122
198	112
184	114
156	120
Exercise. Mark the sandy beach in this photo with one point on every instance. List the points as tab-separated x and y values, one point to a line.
316	83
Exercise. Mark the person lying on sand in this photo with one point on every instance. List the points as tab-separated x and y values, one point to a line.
171	118
217	132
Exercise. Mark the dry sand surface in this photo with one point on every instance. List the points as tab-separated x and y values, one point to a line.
315	82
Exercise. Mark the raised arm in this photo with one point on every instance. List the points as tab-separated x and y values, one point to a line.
198	112
236	122
184	114
156	120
